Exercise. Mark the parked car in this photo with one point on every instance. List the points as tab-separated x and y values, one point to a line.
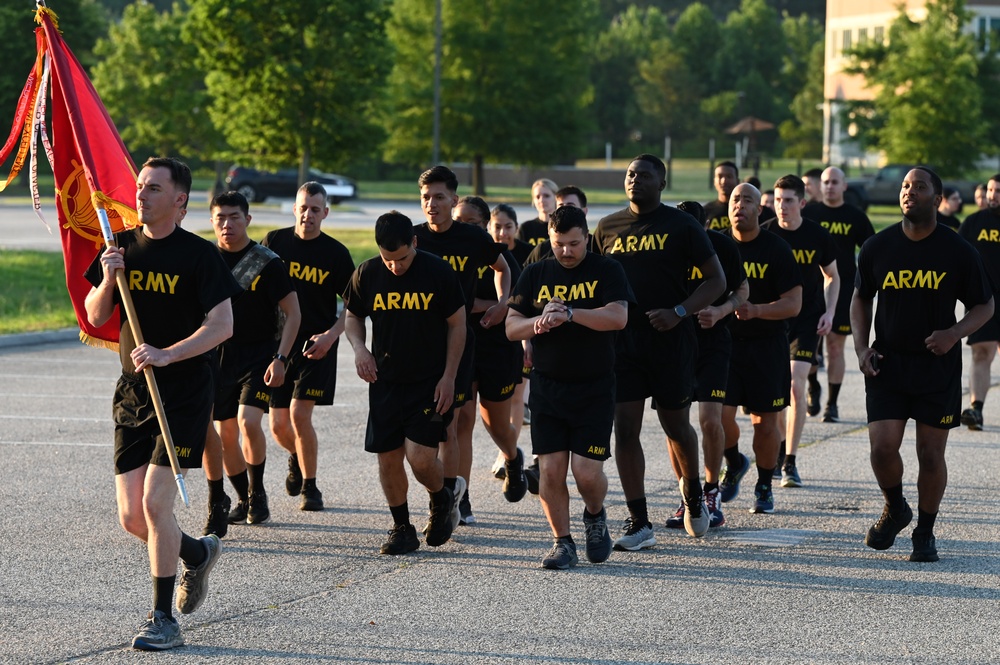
257	185
882	188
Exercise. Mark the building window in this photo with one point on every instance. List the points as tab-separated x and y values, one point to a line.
847	41
879	35
862	36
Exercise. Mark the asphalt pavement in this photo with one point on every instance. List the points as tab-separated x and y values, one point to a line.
798	586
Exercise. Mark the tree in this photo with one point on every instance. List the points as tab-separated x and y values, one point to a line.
928	104
803	72
293	81
514	84
151	85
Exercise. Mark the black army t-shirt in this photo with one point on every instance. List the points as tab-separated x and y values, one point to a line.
982	229
849	227
572	352
466	248
918	284
255	313
174	282
812	247
533	231
657	251
717	215
409	315
486	290
732	266
320	269
771	270
521	252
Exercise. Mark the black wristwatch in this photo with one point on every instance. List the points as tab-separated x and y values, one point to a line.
569	313
680	311
283	359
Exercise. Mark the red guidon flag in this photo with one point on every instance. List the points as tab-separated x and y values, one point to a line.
91	165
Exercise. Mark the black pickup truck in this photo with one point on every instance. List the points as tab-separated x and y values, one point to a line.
883	187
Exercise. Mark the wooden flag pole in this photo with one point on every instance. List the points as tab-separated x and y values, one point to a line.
154	390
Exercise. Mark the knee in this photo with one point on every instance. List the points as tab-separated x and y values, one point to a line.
156	508
133	521
982	353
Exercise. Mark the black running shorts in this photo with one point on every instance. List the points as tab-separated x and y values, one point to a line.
574	417
803	341
655	364
307	380
760	376
498	370
241	379
926	388
400	411
990	332
715	347
466	370
187	400
842	316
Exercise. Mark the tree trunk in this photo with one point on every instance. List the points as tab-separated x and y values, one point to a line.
478	182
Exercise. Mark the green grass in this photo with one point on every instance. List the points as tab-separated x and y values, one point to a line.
34	295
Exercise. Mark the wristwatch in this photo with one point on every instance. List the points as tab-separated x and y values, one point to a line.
569	313
283	359
680	311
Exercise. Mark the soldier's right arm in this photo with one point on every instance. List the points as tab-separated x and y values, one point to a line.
100	302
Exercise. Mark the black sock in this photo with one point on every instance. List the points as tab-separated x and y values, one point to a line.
710	487
256	472
978	405
692	488
400	514
925	522
163	594
814	382
193	551
587	513
834	393
240	484
733	457
308	484
894	499
440	497
450	483
637	509
789	460
565	539
216	491
764	476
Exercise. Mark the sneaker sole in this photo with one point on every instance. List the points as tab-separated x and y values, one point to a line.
649	542
791	483
142	645
259	520
757	510
924	558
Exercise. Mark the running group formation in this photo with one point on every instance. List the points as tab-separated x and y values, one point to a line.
726	304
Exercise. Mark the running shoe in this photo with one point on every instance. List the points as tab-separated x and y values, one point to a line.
730	485
882	534
159	632
218	517
515	485
780	463
790	476
714	504
763	500
924	548
973	419
460	491
440	525
465	509
598	539
676	521
812	402
238	515
258	511
498	470
636	536
402	540
562	556
695	516
312	499
532	475
293	481
194	580
831	415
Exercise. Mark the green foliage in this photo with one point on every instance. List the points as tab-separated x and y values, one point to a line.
514	80
928	105
802	73
151	85
293	81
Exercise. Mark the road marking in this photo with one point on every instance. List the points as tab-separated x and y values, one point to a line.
71	444
769	537
58	418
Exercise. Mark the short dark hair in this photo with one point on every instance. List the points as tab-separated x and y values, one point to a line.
393	230
792	182
478	204
947	192
657	163
507	210
935	179
731	165
813	173
572	190
694	209
230	199
567	218
312	188
180	173
753	180
439	173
